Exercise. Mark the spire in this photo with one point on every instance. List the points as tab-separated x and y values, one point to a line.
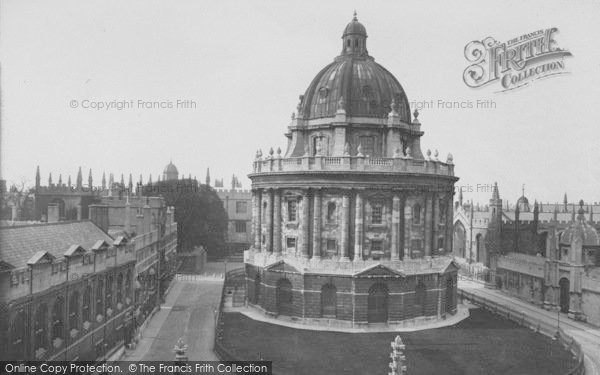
69	181
565	203
130	185
460	197
50	179
495	193
150	179
208	176
90	179
523	190
103	181
111	181
37	177
122	181
60	179
79	179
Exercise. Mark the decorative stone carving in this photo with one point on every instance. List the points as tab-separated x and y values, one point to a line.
450	159
359	150
347	149
408	156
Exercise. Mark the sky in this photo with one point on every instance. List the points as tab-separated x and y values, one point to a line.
207	83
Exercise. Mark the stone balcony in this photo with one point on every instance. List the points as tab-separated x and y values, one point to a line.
353	163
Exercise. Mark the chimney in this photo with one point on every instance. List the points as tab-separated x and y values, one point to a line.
53	213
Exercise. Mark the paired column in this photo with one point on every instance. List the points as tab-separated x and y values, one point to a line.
277	222
358	228
304	231
317	217
428	215
345	223
407	228
269	223
258	218
449	222
436	225
395	226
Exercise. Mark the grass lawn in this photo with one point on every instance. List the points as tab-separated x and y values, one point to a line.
482	344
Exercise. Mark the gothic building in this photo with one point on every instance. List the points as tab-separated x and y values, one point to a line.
352	223
548	255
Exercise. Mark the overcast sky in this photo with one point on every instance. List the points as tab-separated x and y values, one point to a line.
244	63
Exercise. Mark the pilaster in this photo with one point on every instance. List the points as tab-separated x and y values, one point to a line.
358	228
345	223
395	226
277	222
317	216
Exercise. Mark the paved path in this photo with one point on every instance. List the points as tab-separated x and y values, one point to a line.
188	312
587	335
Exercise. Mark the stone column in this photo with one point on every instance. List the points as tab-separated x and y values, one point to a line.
435	225
256	219
317	218
407	228
395	226
449	223
428	211
345	223
304	229
277	222
358	228
269	223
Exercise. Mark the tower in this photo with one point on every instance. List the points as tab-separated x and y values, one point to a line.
493	236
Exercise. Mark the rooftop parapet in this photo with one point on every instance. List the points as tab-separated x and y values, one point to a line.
354	163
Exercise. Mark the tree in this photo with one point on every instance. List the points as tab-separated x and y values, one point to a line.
199	213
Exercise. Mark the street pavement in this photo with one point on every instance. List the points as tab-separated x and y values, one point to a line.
188	312
585	334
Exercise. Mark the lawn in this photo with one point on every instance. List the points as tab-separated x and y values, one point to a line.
482	344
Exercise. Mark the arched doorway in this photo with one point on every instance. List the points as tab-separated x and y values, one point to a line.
328	301
459	242
284	297
565	286
450	295
61	208
378	304
256	297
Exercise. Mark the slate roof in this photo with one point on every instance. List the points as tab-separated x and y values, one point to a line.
19	243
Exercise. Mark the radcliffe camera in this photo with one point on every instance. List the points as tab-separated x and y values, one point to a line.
280	188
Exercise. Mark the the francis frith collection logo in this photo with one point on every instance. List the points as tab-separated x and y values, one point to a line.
515	63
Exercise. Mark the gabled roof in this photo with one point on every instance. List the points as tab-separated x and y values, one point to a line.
41	257
120	240
74	250
5	266
19	243
100	245
379	270
281	265
452	266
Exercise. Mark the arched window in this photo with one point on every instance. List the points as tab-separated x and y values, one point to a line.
58	324
40	327
86	308
331	212
100	297
264	212
355	42
347	42
328	301
120	288
420	298
74	311
416	214
17	336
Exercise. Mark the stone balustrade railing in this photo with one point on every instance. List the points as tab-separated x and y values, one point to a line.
353	163
406	266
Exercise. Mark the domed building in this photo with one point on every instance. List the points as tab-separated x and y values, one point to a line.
352	224
170	172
